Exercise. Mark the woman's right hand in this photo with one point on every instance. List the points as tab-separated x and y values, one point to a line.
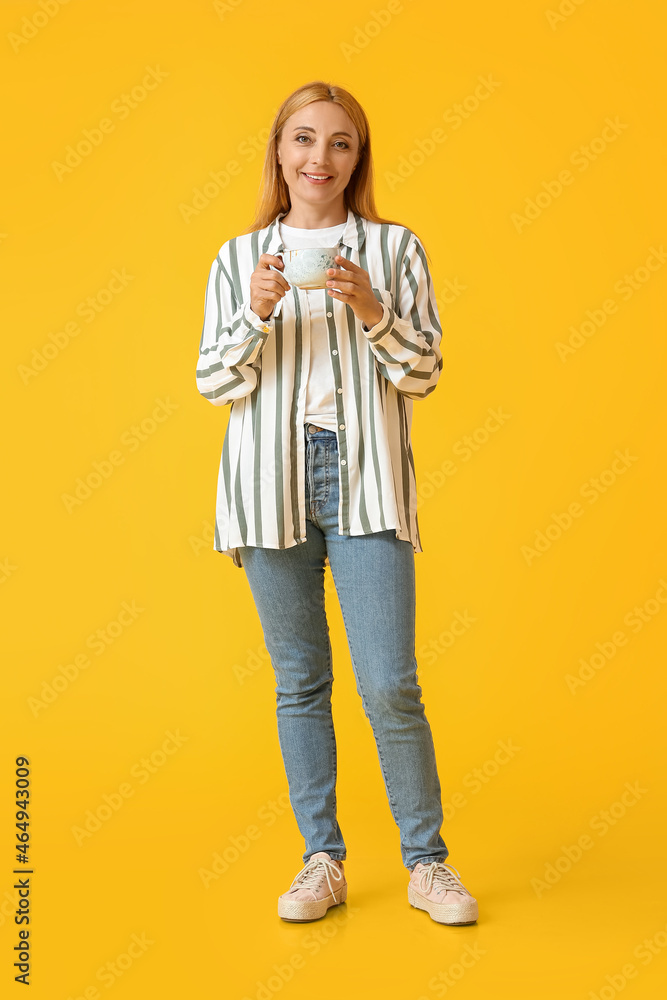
267	287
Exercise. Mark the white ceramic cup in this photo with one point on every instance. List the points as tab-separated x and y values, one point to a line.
307	267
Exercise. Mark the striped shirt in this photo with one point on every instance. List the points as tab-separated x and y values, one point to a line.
260	368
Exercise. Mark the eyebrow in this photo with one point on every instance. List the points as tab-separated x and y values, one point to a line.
308	128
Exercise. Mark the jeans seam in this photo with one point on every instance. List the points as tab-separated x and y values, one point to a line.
392	803
332	730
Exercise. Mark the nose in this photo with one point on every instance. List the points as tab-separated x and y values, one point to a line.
318	154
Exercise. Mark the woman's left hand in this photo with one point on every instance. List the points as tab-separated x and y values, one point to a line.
355	289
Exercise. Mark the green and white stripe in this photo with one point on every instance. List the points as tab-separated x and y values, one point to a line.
260	367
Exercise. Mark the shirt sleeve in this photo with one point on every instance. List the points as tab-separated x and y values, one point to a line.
232	340
406	340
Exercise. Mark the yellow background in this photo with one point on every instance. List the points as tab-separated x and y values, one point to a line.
191	661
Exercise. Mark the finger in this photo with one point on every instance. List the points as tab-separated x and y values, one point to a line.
345	284
273	298
282	283
268	259
347	264
271	279
275	277
342	276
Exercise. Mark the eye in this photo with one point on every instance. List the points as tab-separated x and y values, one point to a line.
339	142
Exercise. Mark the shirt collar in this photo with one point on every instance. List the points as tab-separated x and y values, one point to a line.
354	234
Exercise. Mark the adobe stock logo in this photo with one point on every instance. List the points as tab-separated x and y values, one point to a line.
99	641
365	33
112	802
454	117
603	821
88	309
103	469
591	490
566	8
581	158
31	26
606	650
625	288
91	138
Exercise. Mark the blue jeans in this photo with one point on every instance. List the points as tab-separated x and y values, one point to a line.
374	577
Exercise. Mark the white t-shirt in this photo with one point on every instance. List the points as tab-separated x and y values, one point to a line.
320	402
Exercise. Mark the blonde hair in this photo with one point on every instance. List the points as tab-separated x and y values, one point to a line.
274	196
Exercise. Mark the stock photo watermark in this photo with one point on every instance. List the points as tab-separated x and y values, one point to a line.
88	309
112	802
475	780
7	570
239	844
464	449
104	468
431	651
219	180
312	943
607	649
364	34
454	117
603	821
112	970
563	12
203	541
254	661
581	158
9	905
450	292
31	25
99	642
596	318
591	490
224	7
92	138
645	952
444	980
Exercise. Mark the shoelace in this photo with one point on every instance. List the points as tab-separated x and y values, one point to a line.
310	875
440	875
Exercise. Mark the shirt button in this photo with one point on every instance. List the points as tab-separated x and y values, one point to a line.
329	314
334	352
340	390
343	462
341	427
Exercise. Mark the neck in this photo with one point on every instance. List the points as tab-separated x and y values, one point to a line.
314	216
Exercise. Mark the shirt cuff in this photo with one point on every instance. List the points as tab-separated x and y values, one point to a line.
381	325
252	319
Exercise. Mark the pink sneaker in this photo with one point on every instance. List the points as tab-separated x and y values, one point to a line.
437	890
320	884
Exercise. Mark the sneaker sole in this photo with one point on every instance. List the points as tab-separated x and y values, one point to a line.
302	910
455	914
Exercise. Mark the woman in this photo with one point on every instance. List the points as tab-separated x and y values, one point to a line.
317	469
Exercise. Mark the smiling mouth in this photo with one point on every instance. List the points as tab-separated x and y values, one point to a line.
317	177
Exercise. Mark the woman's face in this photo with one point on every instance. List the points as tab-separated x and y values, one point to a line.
319	139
